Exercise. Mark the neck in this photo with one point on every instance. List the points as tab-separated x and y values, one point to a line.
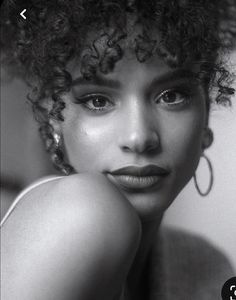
135	282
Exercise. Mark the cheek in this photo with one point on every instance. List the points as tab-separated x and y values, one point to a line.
185	146
86	141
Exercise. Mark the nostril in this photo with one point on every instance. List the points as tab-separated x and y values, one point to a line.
126	149
141	143
152	147
153	142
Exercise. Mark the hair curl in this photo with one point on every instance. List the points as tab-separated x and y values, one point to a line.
55	32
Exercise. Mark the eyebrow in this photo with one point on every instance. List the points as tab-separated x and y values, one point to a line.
175	75
172	76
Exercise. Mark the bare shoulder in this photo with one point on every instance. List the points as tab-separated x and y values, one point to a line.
62	233
65	201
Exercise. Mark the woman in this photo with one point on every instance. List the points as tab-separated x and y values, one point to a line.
122	93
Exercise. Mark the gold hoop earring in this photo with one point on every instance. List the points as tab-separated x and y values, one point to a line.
211	178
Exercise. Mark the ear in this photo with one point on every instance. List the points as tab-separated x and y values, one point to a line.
207	138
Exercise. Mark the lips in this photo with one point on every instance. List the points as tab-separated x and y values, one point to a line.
133	178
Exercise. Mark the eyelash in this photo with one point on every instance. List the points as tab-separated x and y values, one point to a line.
85	100
185	93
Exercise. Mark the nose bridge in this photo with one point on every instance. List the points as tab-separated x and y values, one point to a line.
139	119
140	129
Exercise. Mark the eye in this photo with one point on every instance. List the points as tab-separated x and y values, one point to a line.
173	98
95	102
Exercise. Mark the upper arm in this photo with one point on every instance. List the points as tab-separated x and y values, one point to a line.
62	234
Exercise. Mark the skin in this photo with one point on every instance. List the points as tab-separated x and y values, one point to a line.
135	127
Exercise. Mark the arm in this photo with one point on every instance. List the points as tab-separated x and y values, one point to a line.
69	239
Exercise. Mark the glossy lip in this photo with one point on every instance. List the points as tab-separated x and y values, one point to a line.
138	179
147	170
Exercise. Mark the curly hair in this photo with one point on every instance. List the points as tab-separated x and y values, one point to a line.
56	32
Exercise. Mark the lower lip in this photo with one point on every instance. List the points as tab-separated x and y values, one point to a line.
137	183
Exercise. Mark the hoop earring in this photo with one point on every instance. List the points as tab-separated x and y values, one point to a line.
211	178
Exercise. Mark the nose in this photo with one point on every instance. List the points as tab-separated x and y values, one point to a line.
140	134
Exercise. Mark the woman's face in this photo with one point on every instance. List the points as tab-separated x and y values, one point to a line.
140	114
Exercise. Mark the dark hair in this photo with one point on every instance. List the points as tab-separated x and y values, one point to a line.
55	32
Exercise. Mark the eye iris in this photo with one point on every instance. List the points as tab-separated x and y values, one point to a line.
99	102
169	97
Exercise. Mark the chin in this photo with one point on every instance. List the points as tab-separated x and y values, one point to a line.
149	207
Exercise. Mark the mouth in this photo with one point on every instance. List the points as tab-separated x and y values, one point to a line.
138	179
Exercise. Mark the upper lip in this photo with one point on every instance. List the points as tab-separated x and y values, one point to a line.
148	170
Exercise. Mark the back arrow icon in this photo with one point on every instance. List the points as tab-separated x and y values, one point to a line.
22	13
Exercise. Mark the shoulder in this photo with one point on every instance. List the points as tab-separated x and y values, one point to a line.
194	264
69	203
60	194
63	223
